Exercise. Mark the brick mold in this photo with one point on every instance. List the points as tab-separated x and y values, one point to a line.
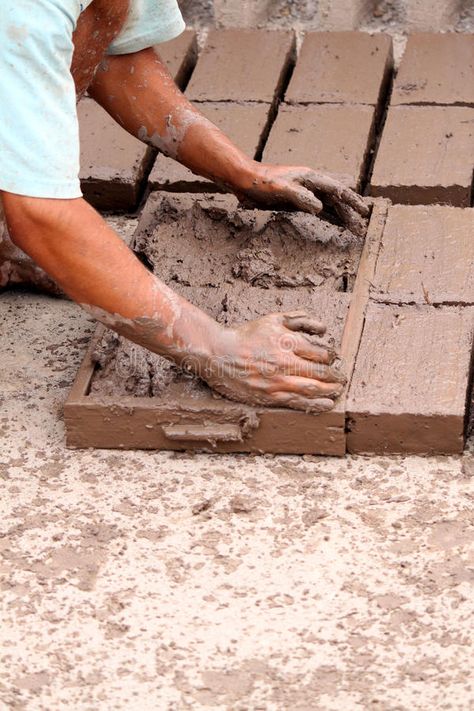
218	424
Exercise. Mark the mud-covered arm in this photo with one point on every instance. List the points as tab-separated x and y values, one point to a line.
138	91
269	361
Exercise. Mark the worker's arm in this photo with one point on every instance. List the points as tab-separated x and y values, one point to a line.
138	91
269	361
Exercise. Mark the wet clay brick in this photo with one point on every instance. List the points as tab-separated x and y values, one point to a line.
426	256
436	69
242	65
180	56
245	125
341	67
333	139
113	163
426	155
409	388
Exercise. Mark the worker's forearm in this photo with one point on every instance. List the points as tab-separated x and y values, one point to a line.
138	91
72	243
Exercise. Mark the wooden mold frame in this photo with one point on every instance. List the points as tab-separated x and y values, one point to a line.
219	425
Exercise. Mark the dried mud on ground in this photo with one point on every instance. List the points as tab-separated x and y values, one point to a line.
170	581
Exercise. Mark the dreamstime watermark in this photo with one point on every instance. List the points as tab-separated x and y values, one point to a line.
284	359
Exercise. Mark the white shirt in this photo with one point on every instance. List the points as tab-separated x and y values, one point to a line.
39	136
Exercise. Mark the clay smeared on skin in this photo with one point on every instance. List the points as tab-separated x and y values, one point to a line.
148	331
177	126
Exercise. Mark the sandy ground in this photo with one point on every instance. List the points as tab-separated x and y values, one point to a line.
143	580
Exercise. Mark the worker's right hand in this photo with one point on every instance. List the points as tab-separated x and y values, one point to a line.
271	361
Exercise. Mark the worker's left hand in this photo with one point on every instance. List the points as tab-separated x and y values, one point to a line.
304	189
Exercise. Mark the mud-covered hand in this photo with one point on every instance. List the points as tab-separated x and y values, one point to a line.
304	189
271	361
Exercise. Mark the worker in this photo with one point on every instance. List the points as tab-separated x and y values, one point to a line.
51	53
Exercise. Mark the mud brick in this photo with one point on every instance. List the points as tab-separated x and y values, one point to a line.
334	139
426	155
113	163
242	65
245	124
436	15
409	388
436	69
341	67
180	56
426	256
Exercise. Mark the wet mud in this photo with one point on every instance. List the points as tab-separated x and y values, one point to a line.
237	265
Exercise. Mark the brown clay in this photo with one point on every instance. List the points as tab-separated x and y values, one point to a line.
426	156
341	68
113	163
409	389
242	65
180	56
332	139
245	125
427	256
436	69
237	265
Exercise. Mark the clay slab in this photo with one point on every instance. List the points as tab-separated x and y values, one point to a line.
410	384
242	65
436	69
341	67
180	56
113	163
245	124
426	256
177	414
426	156
333	139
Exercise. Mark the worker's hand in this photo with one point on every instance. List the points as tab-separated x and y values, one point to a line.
304	189
271	361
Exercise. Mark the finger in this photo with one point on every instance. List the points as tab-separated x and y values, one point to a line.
297	402
301	321
308	387
337	190
318	371
303	199
315	353
351	219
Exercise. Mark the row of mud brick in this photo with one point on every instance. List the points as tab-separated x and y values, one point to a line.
404	328
338	107
410	390
409	15
335	107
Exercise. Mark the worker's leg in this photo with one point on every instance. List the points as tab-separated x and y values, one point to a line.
96	28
